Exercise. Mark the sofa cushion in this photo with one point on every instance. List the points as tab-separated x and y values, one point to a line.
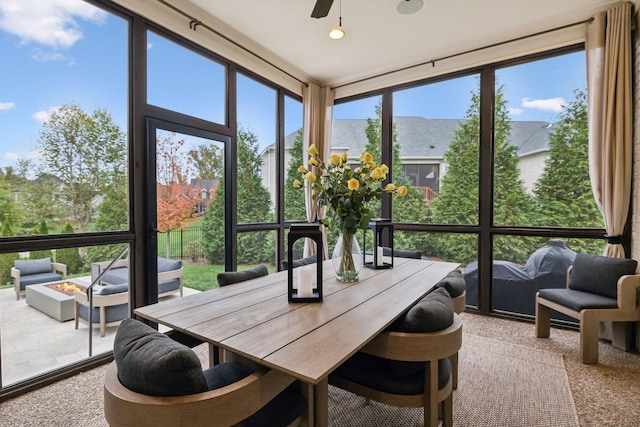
599	274
168	285
151	363
33	266
34	279
165	264
454	283
113	289
116	276
578	300
230	277
374	372
432	313
113	313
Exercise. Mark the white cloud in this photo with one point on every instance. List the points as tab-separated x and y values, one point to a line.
513	111
51	23
5	106
11	157
43	116
44	56
552	104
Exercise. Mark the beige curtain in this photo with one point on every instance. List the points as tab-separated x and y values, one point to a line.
610	118
318	111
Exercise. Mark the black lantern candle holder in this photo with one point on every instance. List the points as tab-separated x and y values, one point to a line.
305	282
382	229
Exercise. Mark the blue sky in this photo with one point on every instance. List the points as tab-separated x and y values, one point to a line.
56	52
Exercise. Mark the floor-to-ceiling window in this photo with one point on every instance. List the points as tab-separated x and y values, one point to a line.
64	178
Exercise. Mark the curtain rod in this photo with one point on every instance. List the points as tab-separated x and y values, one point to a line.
194	23
466	52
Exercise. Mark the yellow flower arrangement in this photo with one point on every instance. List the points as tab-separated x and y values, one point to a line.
344	191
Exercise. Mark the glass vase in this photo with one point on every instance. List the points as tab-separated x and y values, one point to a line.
346	258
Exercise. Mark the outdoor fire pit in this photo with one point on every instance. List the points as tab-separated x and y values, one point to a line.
56	298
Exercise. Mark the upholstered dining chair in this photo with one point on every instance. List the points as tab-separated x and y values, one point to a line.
155	381
599	289
231	277
408	365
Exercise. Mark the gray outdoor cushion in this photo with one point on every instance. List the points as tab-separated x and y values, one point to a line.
33	266
374	372
168	285
578	300
151	363
112	313
432	313
34	279
454	283
599	274
116	276
114	289
231	277
165	264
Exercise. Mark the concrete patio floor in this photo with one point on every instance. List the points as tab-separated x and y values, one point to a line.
32	343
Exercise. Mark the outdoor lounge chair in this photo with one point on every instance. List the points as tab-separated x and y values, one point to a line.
34	271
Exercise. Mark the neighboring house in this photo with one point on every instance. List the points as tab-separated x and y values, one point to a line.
423	143
207	189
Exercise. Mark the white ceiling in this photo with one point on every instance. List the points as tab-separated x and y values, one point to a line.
379	39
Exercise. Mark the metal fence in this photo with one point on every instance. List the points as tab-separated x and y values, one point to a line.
185	243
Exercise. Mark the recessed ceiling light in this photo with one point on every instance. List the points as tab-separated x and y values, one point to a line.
407	7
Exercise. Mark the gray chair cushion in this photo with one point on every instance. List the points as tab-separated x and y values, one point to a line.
113	313
374	372
454	283
33	266
113	289
599	274
34	279
165	264
116	276
432	313
151	363
231	277
168	285
578	300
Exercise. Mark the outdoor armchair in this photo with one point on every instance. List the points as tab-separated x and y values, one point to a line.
110	306
34	271
598	289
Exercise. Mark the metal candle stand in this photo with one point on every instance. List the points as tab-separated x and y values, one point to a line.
378	226
301	276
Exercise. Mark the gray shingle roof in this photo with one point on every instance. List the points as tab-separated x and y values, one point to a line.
430	138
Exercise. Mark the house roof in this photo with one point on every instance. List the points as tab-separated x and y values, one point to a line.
424	138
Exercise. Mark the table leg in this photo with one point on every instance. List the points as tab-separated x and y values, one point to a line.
321	403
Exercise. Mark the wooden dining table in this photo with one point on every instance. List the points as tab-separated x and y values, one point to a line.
255	320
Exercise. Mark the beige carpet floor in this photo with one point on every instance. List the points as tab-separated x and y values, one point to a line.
500	385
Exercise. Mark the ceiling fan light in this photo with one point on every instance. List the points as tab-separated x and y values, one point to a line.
407	7
336	33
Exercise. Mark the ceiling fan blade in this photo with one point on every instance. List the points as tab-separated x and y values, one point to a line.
321	9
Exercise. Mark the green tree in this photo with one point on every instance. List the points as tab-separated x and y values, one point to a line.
410	209
208	161
6	259
83	151
70	256
254	206
42	229
294	205
458	200
563	193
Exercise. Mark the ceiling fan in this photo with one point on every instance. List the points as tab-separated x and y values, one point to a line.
406	7
321	9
